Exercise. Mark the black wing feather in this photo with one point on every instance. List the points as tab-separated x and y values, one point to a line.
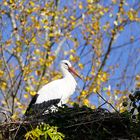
46	105
34	108
31	104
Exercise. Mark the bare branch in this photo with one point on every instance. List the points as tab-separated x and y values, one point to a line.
107	102
14	24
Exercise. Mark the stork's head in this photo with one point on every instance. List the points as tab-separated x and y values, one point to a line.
66	67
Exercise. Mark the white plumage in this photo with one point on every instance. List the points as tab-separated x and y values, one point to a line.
60	89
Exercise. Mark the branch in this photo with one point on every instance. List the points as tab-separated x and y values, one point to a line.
12	16
107	102
59	47
7	104
6	66
6	116
113	34
125	44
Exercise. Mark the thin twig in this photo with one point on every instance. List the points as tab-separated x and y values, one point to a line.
6	116
107	102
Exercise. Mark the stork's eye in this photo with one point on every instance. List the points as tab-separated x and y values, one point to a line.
66	64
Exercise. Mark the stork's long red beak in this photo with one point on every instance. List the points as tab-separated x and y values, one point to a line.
74	72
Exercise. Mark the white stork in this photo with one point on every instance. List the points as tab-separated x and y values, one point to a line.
56	92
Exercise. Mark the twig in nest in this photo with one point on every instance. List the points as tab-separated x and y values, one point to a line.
7	118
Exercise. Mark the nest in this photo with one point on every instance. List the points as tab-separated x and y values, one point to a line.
78	123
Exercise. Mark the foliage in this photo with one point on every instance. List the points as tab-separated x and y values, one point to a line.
44	132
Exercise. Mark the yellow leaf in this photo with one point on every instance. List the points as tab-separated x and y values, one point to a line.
8	43
33	93
12	73
81	66
1	73
48	64
108	93
21	106
99	75
37	25
11	1
23	111
96	26
94	90
132	14
3	102
18	43
138	85
51	34
101	13
31	3
72	58
33	40
86	102
37	51
90	1
27	89
104	77
121	28
1	62
71	103
38	72
80	5
29	11
5	3
124	97
16	100
26	95
98	81
3	85
72	51
15	116
72	17
51	57
137	77
42	61
122	109
117	91
88	78
18	49
93	107
18	103
84	92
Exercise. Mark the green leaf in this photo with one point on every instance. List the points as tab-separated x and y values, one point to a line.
44	131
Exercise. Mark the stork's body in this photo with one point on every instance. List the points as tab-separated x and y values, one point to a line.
56	92
59	89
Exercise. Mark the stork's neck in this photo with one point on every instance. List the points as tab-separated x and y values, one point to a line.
67	75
